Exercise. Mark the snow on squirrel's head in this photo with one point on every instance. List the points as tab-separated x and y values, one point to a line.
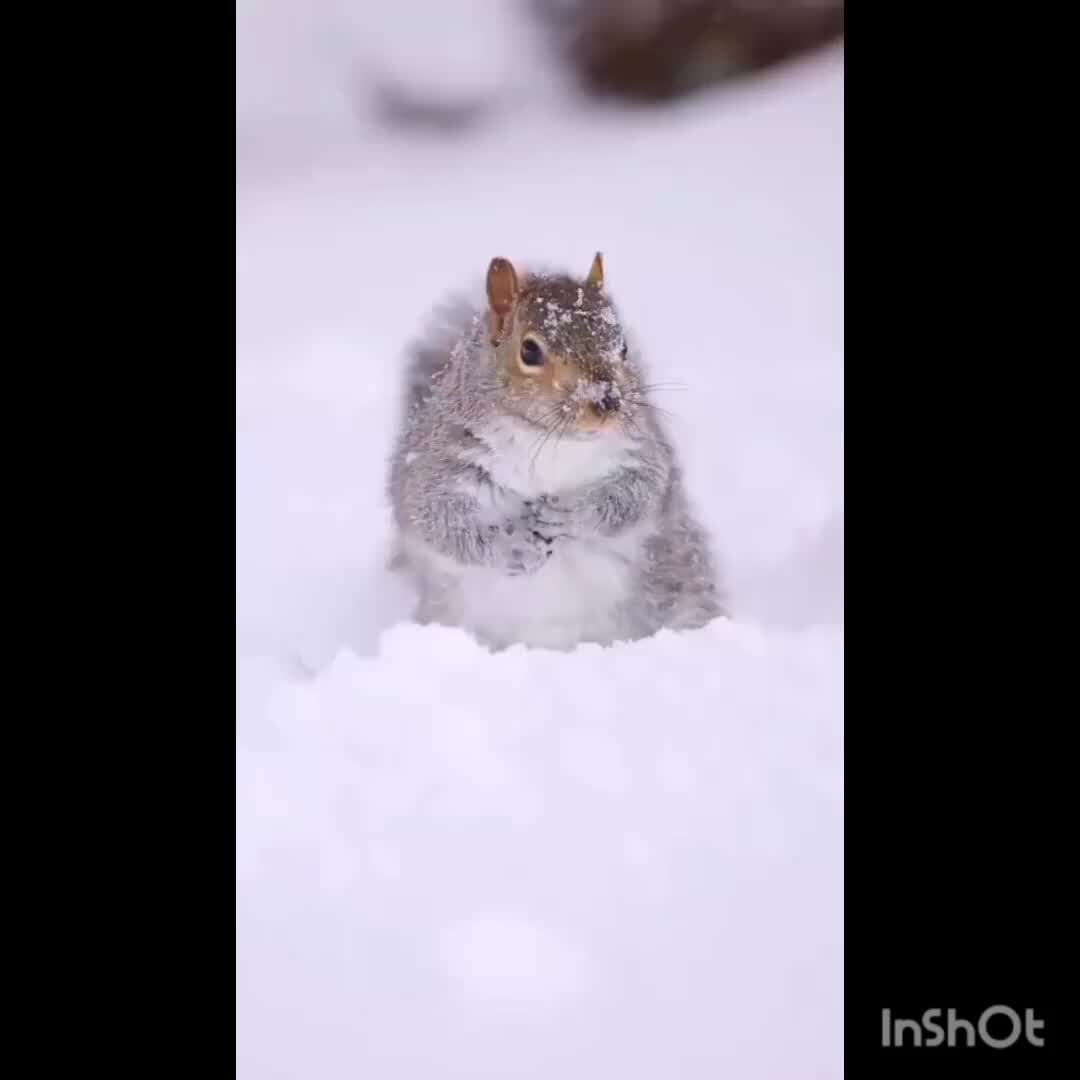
561	353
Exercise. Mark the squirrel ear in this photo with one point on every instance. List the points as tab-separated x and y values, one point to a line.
502	291
596	272
502	286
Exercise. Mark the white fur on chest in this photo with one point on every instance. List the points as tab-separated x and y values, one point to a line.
521	459
585	589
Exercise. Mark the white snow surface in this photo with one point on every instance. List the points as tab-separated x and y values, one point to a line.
621	862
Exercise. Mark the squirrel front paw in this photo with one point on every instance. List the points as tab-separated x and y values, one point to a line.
525	543
527	559
550	516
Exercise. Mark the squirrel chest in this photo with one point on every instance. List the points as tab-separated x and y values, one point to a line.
585	589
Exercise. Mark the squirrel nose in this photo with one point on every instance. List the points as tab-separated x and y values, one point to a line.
609	403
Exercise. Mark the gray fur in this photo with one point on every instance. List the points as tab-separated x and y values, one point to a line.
446	503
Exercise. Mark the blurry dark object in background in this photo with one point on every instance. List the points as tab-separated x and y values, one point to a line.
658	50
400	108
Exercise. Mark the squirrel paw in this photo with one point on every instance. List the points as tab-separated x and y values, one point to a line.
530	553
547	517
527	559
528	542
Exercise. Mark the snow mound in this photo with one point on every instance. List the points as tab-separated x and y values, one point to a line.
618	862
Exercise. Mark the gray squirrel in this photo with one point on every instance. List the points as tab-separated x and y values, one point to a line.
536	497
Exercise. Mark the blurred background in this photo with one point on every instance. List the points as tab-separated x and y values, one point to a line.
310	72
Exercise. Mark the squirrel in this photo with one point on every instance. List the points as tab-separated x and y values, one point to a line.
535	494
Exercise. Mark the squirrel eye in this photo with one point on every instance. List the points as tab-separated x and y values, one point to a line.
531	353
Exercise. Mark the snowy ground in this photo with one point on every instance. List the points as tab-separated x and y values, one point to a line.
616	863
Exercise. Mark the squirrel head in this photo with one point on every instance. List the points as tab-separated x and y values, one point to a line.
560	349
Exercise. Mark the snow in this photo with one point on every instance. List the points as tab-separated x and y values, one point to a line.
619	862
